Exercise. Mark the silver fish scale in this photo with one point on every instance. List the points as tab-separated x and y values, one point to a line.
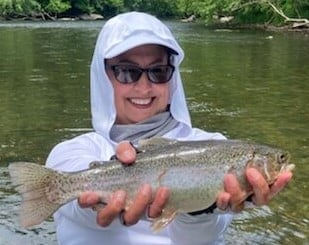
193	171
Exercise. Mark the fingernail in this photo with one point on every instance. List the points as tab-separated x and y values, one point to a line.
89	200
127	153
145	189
129	156
120	195
253	176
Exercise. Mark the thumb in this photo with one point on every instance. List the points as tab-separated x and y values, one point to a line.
126	153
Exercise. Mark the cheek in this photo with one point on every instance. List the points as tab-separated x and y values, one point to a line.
119	92
165	95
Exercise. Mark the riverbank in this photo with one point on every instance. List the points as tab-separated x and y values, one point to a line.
292	27
45	17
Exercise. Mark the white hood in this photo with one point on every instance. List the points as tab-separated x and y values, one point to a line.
118	35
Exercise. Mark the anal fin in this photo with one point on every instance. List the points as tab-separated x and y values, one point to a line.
163	220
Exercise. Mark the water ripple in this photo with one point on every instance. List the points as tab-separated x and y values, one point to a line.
10	231
209	108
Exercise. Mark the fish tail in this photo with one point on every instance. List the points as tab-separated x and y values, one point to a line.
32	181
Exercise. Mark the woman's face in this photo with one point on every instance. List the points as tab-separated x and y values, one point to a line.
142	99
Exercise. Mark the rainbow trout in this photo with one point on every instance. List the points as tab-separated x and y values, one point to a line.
192	170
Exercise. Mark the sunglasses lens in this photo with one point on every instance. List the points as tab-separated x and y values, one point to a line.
131	74
161	74
127	74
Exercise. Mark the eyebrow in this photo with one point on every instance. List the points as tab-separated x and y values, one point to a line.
127	61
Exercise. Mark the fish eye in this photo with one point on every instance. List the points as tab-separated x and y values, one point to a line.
282	157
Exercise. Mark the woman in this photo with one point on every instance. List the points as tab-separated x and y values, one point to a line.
136	93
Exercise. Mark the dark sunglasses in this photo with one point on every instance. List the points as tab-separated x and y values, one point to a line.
132	73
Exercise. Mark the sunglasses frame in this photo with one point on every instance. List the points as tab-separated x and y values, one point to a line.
142	70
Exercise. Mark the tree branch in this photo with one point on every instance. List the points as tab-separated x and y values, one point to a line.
300	21
287	19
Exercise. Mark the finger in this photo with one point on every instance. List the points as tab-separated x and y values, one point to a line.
281	182
223	200
139	205
112	210
237	195
126	153
259	186
88	199
160	200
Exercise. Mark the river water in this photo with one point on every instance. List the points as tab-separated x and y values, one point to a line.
247	84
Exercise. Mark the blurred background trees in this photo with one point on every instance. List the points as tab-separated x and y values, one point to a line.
210	11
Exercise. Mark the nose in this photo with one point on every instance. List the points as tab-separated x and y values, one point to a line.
143	83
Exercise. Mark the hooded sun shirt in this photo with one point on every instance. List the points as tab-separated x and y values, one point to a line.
77	226
120	34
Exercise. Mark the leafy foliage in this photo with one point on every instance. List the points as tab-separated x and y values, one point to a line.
57	6
243	11
18	7
160	8
105	7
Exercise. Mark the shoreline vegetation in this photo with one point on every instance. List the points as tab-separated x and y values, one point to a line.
226	14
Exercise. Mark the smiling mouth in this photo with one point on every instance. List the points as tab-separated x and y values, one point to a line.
141	102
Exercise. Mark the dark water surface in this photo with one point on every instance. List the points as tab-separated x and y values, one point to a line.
248	85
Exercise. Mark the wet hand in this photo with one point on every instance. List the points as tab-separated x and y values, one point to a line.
234	196
262	192
144	202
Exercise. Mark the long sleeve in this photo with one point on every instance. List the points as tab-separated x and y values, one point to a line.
205	229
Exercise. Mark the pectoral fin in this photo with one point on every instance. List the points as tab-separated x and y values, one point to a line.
166	217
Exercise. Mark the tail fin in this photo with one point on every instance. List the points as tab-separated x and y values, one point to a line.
31	181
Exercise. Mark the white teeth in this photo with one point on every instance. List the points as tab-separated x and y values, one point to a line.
141	101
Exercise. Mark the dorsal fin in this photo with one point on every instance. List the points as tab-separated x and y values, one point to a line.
153	143
95	164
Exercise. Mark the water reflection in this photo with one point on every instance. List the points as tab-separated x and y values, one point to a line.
240	83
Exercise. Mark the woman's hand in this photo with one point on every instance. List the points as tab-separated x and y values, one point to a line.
142	203
262	192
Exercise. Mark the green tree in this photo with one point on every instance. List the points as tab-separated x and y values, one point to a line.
56	6
160	8
105	7
243	11
18	7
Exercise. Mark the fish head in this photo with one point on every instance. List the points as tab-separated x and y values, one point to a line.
270	162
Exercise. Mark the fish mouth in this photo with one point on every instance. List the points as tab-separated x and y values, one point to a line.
287	167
